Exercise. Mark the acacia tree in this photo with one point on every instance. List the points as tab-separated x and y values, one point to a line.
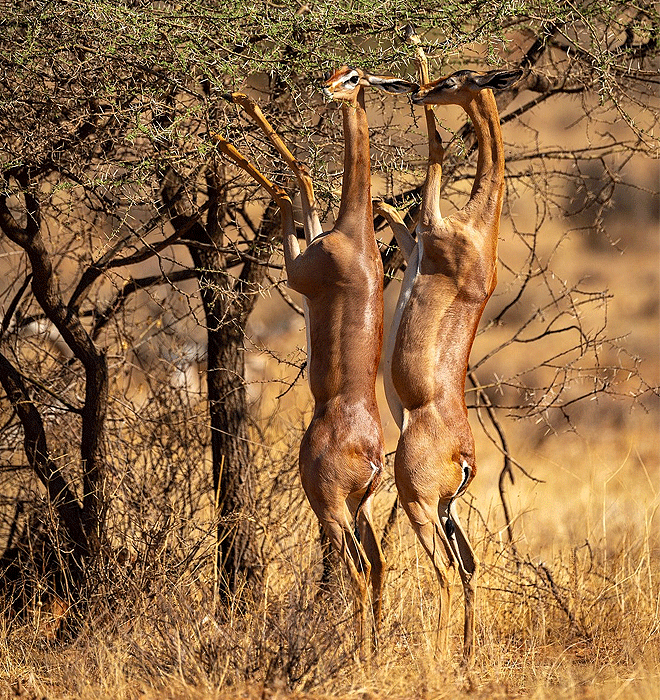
112	189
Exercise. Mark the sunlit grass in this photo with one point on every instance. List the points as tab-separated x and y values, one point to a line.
571	616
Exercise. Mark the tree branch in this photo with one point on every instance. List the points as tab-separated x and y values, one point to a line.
76	337
49	473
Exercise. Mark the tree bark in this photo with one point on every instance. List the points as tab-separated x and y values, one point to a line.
233	470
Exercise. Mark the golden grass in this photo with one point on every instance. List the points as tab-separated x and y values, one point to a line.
575	615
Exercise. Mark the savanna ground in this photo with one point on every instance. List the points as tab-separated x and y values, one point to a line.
576	616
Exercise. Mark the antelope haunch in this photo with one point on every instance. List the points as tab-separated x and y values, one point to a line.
340	275
451	274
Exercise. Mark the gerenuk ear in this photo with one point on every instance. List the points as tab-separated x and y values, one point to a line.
499	79
395	86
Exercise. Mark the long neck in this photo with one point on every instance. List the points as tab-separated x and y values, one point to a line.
355	204
486	196
430	211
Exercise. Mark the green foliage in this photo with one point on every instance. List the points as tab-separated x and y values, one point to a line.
157	45
143	75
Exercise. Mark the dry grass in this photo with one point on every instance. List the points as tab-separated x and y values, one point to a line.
580	623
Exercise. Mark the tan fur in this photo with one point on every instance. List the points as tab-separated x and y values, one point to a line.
340	274
431	343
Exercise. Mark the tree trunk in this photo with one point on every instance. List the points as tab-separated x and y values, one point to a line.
228	302
233	470
60	494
